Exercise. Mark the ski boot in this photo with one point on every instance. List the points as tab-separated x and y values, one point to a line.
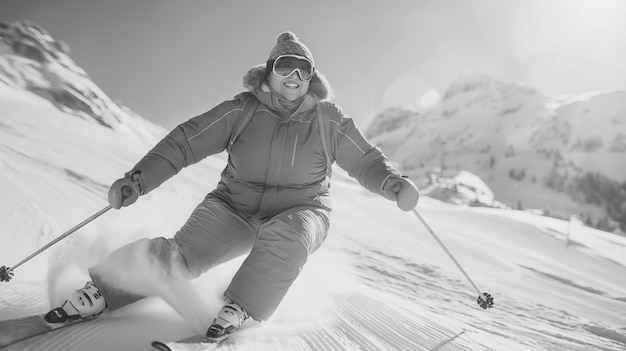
83	303
229	319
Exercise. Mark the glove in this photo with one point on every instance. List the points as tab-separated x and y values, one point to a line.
402	191
124	192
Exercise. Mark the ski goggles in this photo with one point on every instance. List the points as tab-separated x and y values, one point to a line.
285	65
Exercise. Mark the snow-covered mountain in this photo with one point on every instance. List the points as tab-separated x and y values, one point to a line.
531	150
31	59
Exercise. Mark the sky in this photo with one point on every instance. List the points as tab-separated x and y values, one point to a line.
172	60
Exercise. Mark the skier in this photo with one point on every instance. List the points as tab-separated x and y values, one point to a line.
272	201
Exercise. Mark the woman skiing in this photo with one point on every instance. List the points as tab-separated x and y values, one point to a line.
272	200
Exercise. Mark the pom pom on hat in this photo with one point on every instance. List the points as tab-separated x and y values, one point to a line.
285	36
288	43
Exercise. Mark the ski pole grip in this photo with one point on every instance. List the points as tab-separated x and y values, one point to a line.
127	191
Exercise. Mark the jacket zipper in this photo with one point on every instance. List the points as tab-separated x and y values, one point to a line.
293	156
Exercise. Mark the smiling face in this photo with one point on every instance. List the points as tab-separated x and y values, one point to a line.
291	88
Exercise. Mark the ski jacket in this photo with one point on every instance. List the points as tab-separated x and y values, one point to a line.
278	161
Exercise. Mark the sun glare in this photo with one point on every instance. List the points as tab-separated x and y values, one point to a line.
600	12
429	98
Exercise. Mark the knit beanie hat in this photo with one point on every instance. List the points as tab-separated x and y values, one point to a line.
288	43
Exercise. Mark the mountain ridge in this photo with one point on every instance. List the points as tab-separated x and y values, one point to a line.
31	59
516	139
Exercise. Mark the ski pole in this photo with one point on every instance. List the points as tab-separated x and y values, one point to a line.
6	273
485	300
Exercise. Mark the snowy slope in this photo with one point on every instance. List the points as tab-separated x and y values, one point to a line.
380	283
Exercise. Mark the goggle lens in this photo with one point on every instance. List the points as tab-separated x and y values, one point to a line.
285	65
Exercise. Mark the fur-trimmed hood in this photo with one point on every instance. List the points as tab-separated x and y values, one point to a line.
319	85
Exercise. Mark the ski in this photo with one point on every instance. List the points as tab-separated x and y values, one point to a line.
194	343
15	330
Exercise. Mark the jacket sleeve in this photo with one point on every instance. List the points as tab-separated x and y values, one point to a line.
188	143
353	152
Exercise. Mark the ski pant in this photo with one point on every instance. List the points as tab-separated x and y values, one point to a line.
215	233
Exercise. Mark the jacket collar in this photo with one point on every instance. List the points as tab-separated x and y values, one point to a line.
271	100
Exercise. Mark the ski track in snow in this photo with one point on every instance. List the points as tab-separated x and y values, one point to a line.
395	275
358	323
399	308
